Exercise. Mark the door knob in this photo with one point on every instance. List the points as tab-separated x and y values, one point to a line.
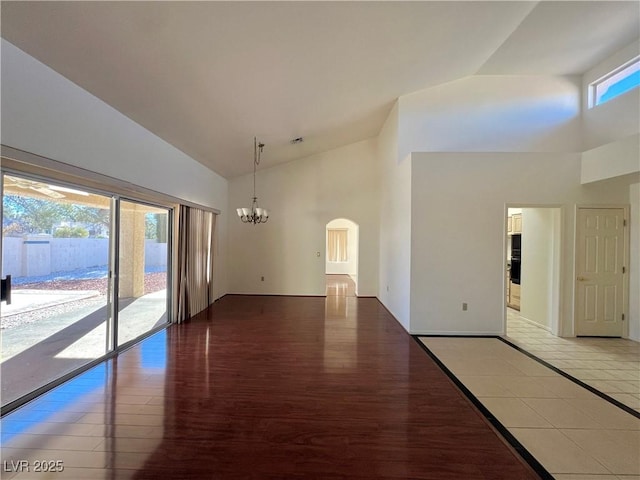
582	279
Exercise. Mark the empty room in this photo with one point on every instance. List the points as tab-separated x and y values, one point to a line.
320	240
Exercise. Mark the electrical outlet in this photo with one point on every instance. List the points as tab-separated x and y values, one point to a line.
464	306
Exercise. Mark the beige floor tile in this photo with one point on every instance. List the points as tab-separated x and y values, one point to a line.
513	412
604	386
626	387
589	374
627	398
528	387
485	386
481	367
614	365
606	413
554	356
531	367
582	476
561	387
590	360
539	408
618	451
561	414
632	375
542	348
556	452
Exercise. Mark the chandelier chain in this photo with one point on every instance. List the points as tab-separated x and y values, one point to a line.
254	214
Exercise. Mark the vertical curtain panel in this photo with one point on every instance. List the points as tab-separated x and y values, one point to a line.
196	254
337	245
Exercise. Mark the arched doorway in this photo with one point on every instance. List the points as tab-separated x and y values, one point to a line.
341	269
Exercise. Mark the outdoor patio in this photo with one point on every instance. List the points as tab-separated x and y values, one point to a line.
55	331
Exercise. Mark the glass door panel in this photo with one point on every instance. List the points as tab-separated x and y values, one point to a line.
142	269
55	246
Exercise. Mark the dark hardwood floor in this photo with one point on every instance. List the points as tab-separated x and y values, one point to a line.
266	388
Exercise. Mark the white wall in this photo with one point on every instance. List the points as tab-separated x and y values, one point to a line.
493	113
303	196
539	249
46	114
350	267
69	254
613	150
634	263
458	231
394	288
12	256
614	159
617	118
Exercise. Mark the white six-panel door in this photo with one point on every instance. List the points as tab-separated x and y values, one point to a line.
599	272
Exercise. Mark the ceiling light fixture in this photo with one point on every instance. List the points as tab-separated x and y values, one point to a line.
254	214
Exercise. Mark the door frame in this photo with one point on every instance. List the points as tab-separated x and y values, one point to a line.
625	260
556	300
356	226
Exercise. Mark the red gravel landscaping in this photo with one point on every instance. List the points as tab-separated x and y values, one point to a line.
153	282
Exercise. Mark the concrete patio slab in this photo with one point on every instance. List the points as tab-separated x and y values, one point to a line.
24	301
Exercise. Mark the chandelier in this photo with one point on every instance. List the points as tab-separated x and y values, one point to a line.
254	214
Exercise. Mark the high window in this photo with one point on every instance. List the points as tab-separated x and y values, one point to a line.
615	83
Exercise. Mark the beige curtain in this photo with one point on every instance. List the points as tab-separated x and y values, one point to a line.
337	245
196	256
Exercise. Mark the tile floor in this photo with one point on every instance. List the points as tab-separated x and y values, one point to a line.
610	365
573	433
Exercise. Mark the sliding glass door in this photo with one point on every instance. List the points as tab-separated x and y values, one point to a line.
55	246
142	269
89	273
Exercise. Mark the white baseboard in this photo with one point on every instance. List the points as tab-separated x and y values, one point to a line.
536	324
457	333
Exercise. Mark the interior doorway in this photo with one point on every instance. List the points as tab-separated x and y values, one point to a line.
532	266
341	256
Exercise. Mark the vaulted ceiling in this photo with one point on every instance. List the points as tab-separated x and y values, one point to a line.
209	76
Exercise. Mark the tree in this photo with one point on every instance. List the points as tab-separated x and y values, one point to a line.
29	215
150	227
71	232
94	218
34	215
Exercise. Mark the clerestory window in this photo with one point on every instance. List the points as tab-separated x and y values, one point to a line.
615	83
